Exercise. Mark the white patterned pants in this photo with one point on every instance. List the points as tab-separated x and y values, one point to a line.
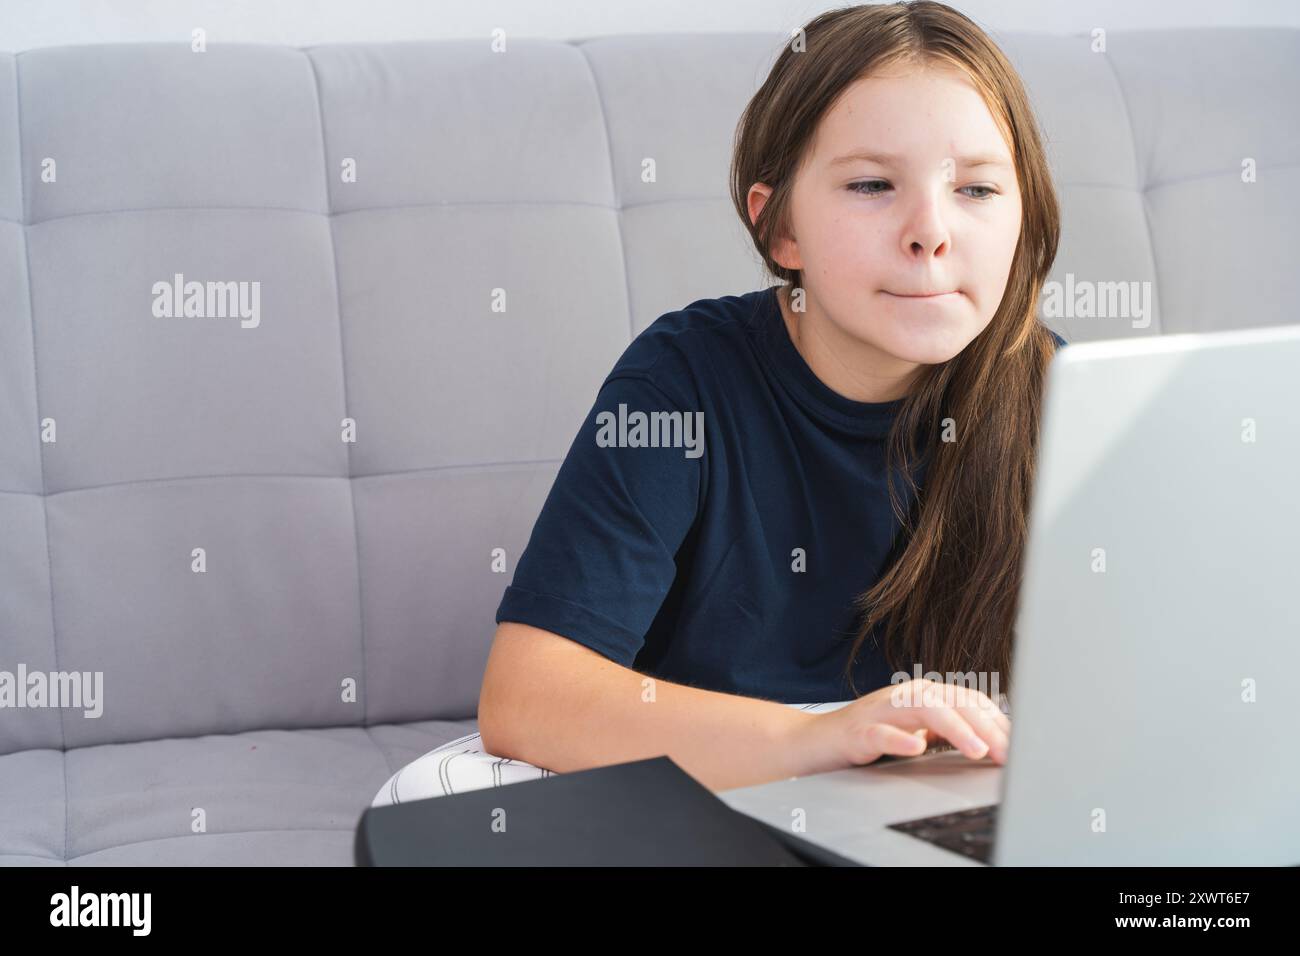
462	764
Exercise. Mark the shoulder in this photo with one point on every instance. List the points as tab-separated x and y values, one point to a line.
681	348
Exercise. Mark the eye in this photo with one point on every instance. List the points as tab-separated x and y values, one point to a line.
854	187
875	187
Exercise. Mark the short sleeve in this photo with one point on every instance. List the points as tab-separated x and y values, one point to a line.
602	554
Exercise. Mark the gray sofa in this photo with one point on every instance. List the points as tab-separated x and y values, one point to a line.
282	617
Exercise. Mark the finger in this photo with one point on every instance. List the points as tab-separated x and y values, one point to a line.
1000	716
952	726
888	739
983	715
961	695
985	724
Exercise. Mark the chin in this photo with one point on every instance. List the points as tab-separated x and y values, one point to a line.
930	343
933	350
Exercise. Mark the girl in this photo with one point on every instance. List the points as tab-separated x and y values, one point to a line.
858	512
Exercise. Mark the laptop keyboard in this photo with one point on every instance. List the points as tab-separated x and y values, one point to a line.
968	832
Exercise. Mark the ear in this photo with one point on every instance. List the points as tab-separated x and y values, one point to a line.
784	250
759	194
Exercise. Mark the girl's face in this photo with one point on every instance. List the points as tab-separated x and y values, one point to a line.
905	217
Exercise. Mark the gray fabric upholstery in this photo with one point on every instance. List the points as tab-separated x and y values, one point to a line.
371	561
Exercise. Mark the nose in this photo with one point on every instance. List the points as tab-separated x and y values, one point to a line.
925	234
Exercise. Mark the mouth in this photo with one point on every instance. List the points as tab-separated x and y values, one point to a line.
922	295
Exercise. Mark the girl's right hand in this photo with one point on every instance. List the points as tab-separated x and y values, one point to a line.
901	720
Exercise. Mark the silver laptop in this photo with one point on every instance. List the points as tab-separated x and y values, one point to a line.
1155	703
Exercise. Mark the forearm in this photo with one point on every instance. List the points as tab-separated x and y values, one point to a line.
591	712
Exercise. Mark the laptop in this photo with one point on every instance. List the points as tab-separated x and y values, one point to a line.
1155	703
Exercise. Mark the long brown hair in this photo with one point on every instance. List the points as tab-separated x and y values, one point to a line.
947	600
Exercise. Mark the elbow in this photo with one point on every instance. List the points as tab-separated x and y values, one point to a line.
494	723
518	690
502	718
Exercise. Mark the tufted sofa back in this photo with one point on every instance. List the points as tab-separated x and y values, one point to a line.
292	341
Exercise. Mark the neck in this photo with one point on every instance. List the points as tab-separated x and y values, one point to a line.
846	365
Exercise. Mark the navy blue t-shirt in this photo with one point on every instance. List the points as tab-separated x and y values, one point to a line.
720	546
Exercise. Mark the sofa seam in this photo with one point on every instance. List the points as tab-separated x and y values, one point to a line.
619	208
614	192
429	469
40	445
191	836
332	214
383	754
1140	173
343	366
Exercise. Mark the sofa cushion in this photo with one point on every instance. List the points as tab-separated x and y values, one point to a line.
265	797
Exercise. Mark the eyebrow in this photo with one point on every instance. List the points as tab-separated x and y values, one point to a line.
893	161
